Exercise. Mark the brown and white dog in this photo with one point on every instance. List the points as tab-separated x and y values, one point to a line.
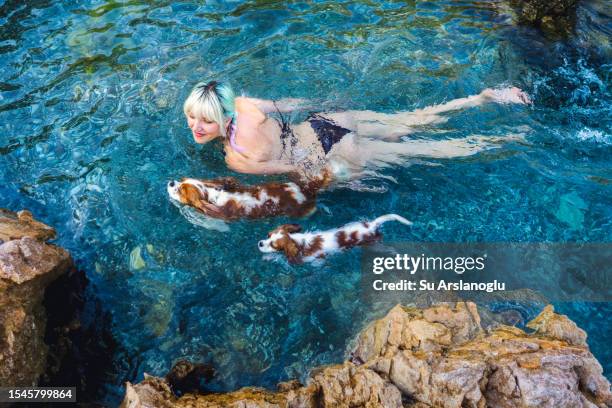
309	246
227	199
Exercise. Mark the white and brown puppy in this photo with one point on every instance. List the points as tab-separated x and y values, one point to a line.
226	199
308	246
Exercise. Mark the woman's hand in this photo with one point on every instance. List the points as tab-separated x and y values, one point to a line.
506	95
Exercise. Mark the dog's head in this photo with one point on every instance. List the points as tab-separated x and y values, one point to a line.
188	191
202	194
191	191
279	240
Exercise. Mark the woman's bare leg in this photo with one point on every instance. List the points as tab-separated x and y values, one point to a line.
351	157
380	153
391	126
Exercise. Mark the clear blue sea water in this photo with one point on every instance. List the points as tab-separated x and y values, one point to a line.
92	129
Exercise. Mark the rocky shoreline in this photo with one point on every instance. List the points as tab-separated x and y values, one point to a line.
43	340
28	264
439	356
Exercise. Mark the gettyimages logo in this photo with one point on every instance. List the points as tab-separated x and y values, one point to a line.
562	272
413	264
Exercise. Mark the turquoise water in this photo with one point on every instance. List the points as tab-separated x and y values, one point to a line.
92	129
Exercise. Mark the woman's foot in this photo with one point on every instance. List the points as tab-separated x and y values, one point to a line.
506	95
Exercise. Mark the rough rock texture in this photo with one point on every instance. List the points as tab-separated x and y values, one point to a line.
548	323
27	266
21	224
434	357
155	392
550	15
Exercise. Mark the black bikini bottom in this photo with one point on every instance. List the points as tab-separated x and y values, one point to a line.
326	130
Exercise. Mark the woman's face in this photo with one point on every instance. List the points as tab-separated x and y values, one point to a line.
202	129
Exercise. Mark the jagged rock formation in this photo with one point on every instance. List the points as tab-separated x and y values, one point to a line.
22	224
434	357
27	266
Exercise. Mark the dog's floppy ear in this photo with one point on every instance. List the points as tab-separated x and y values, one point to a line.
189	194
291	250
291	228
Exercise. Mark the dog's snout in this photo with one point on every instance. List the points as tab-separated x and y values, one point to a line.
261	244
172	183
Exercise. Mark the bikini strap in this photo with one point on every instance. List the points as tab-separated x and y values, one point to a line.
232	136
285	128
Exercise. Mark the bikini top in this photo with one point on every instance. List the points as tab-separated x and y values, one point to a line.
232	136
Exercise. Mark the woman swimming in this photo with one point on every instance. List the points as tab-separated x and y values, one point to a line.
346	143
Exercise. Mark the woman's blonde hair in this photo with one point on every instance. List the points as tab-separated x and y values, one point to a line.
213	101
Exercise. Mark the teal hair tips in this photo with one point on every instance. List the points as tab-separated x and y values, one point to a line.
227	98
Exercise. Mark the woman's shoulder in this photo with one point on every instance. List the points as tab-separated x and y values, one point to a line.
248	106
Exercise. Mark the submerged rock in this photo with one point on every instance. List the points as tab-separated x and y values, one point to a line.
571	210
553	16
136	261
434	357
185	376
27	266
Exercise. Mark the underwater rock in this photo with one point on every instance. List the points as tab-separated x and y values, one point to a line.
433	357
185	376
571	210
509	308
136	261
553	16
27	267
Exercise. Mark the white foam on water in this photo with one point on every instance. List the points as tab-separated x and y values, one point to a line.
593	135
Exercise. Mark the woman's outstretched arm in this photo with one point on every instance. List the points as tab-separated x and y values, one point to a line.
283	105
